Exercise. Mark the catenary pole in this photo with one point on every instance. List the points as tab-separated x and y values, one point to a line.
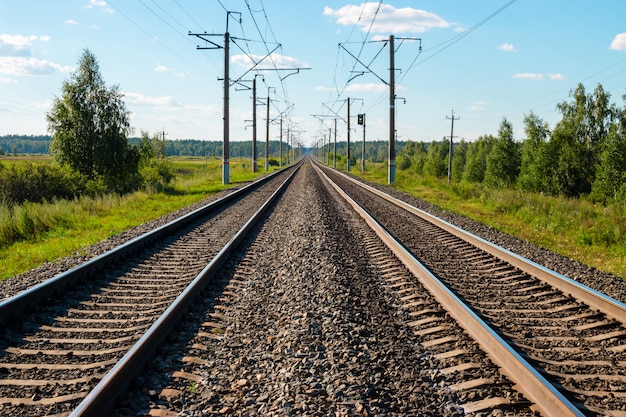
267	133
254	167
335	147
280	153
363	147
391	177
348	150
452	118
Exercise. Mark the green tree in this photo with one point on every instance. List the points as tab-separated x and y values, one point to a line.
435	163
610	179
533	167
476	159
412	156
584	127
90	125
155	169
459	159
503	160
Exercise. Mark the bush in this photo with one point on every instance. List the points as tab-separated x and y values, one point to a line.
36	183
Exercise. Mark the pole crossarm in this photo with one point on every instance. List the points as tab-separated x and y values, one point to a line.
257	63
407	39
323	117
335	113
297	71
364	65
283	112
204	36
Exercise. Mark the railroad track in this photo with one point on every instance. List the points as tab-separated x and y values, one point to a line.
309	331
318	314
99	323
574	337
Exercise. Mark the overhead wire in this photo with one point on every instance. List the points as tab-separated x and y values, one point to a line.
363	42
265	42
156	39
448	43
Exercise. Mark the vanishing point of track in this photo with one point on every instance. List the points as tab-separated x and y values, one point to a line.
549	345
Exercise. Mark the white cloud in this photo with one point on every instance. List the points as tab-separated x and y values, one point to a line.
46	105
556	76
619	42
19	45
528	76
163	68
7	80
17	65
174	109
71	22
163	101
507	47
100	4
388	19
367	88
271	62
478	106
363	88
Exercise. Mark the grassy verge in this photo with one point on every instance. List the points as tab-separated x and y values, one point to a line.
587	232
61	228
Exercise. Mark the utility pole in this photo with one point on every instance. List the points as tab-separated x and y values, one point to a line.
226	147
391	171
335	147
287	161
348	150
267	133
361	120
280	153
392	96
226	124
254	167
452	118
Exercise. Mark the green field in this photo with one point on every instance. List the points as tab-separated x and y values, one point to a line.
590	233
61	228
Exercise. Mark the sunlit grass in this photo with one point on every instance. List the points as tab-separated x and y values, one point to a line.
32	234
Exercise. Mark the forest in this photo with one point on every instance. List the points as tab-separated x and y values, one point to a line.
584	155
40	145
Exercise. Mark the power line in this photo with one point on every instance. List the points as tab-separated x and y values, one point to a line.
155	39
460	36
187	13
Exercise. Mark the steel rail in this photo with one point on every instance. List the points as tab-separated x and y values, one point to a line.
546	398
611	307
13	306
101	400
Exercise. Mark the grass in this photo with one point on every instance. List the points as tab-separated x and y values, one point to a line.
60	228
590	233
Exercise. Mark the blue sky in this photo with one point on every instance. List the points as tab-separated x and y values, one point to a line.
484	59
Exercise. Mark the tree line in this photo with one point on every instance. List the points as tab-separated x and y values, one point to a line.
24	144
40	145
583	155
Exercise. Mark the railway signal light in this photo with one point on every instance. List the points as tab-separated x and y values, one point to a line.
361	119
